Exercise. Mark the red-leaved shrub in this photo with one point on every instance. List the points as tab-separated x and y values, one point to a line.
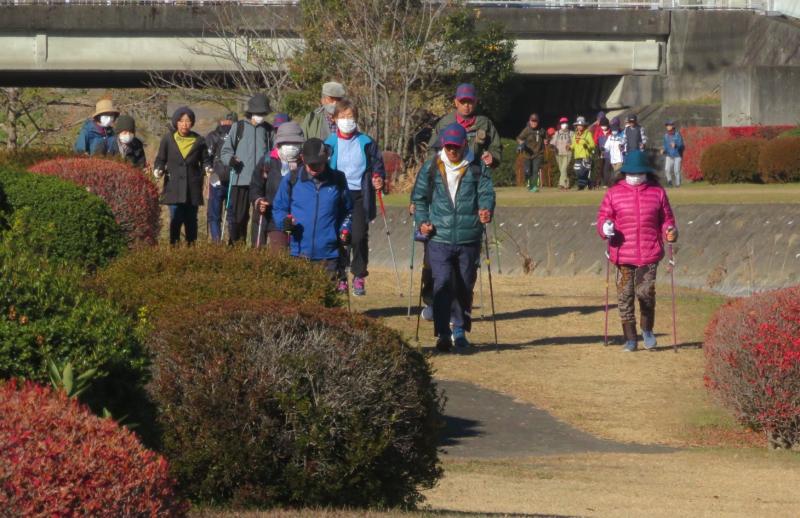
58	459
732	161
752	349
699	138
780	160
132	197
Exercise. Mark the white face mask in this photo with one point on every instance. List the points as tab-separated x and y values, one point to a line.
564	126
289	152
635	179
257	119
329	108
106	120
126	137
346	126
604	128
614	132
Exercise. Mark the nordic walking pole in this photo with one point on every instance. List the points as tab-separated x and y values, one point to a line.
260	224
411	266
608	273
480	281
346	248
674	317
419	304
389	238
491	290
496	245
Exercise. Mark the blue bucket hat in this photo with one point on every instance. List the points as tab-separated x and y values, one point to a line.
636	163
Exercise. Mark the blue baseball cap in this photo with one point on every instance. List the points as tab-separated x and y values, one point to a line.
279	119
466	91
454	135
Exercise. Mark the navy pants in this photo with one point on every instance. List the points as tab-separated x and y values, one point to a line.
216	200
454	269
182	215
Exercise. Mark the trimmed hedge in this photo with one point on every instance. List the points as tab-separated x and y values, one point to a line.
779	161
66	222
132	197
752	349
161	279
57	459
264	403
19	159
732	161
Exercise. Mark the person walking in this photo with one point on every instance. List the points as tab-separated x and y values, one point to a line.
613	149
562	143
357	156
319	123
453	199
313	206
220	177
531	144
482	136
582	151
635	218
673	151
97	133
130	148
247	142
182	159
282	161
634	136
603	167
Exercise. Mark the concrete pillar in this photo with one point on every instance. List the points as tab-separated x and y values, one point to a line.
760	95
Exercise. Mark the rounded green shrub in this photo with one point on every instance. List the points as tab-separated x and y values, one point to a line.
268	403
779	161
732	161
69	223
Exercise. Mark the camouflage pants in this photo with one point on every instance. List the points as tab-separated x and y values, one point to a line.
637	282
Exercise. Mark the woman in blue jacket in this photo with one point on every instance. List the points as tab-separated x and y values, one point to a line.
358	157
97	134
673	150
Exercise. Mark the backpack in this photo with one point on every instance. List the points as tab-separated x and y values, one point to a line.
240	129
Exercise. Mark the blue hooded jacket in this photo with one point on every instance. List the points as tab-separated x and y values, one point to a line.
374	159
322	210
96	140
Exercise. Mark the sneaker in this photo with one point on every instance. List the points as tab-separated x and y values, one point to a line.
427	313
460	338
629	347
443	344
359	286
649	339
341	287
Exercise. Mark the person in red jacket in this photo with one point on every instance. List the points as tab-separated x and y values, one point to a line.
635	217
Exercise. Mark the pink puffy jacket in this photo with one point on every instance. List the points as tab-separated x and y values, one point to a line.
641	217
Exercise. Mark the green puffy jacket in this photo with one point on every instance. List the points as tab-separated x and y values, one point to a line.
457	225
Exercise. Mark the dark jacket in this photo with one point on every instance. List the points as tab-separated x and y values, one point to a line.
457	225
634	138
322	208
183	182
214	142
265	184
482	136
374	166
133	153
94	139
533	141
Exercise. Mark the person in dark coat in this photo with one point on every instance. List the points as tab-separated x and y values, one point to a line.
281	161
97	134
130	148
218	182
181	160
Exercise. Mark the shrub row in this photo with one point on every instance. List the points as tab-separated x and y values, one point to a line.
57	459
132	197
753	160
268	404
752	349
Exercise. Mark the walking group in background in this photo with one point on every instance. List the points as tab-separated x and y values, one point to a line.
312	189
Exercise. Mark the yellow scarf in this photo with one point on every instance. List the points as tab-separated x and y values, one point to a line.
185	143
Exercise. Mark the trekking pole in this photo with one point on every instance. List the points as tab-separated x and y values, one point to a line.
608	273
227	210
260	223
496	245
480	281
419	304
674	317
411	267
346	249
389	239
491	290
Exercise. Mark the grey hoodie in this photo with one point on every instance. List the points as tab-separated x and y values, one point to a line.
256	141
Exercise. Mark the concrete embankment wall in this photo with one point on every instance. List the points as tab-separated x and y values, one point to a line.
733	250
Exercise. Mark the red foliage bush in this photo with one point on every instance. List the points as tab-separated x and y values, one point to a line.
699	138
133	198
780	160
733	161
752	349
58	459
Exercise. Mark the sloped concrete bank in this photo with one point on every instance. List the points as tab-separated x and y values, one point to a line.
731	249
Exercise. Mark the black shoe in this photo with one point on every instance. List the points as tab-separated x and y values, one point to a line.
444	344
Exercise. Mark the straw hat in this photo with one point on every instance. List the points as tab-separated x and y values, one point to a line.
105	106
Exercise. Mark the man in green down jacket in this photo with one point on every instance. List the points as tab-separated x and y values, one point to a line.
484	141
453	197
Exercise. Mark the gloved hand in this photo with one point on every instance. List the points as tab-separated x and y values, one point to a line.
158	173
672	235
608	229
344	237
209	171
234	163
520	148
289	224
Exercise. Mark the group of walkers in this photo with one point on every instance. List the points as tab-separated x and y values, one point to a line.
598	149
312	188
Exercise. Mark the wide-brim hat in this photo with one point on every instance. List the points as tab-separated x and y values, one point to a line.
105	106
258	104
580	121
636	162
289	133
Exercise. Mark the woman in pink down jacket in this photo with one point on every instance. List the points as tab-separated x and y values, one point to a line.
635	217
